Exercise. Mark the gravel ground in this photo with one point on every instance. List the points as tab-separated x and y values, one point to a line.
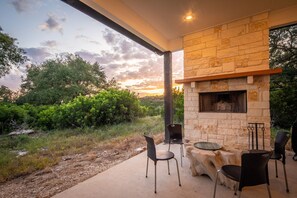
73	169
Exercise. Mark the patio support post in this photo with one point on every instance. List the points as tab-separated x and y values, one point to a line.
168	111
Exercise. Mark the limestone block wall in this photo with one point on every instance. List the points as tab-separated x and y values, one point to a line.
235	47
229	129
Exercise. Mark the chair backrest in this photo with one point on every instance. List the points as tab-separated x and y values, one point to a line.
175	131
151	148
254	169
281	139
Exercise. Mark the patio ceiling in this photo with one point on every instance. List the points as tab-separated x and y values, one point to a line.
161	22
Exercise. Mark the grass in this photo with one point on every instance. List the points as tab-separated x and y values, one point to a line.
45	149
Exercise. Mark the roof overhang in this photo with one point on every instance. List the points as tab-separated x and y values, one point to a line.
161	24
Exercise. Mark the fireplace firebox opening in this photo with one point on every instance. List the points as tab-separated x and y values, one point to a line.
225	102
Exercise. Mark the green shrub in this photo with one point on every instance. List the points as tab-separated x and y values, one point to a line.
107	107
115	106
10	117
45	118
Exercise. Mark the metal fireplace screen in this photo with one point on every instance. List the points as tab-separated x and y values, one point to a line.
229	101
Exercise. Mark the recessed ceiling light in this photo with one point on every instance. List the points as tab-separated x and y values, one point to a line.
189	17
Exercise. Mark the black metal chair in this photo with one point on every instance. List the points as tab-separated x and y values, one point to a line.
279	152
253	171
176	137
158	155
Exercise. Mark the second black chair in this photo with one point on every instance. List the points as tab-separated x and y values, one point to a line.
156	156
279	153
253	171
176	137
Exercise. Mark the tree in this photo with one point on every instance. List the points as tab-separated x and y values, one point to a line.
10	53
6	95
154	105
178	105
283	90
60	80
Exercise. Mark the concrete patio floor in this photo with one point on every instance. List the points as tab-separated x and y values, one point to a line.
127	179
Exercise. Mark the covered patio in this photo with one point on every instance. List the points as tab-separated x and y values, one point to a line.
127	179
226	50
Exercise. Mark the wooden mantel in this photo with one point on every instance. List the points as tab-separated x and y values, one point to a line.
228	76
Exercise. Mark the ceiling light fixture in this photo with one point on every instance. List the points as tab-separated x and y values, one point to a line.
189	17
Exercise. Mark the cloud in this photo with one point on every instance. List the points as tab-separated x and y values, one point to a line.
38	55
125	47
145	70
51	43
114	66
109	37
128	75
24	5
86	38
128	62
104	57
133	66
95	42
88	56
53	23
81	36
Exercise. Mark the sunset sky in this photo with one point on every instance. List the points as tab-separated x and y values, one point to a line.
45	29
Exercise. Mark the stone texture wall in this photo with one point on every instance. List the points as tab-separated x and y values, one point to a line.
229	129
235	47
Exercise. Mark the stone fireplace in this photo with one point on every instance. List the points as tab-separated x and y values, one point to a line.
224	122
226	82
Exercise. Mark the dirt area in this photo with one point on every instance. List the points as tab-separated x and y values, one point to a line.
74	169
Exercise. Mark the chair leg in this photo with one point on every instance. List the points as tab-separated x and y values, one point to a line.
147	161
169	146
239	194
215	187
155	177
275	162
269	193
182	147
181	155
285	173
177	172
236	188
168	167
